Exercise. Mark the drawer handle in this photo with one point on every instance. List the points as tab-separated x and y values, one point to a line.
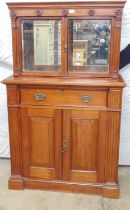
39	97
86	98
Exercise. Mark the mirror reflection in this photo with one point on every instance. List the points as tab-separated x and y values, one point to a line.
41	42
89	42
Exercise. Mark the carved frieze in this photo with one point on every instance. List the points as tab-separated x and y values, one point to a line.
38	12
91	12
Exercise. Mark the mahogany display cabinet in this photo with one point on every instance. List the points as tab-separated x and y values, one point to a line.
64	98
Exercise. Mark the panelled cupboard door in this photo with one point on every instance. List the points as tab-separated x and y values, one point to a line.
41	143
84	136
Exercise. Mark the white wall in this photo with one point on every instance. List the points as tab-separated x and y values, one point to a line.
125	72
5	70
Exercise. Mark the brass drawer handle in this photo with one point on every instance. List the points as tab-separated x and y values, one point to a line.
86	98
39	97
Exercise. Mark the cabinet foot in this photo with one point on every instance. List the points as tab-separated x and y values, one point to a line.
111	191
15	183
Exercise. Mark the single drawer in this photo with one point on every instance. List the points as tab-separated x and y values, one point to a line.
63	97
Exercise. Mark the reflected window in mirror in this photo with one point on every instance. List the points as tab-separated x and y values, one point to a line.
89	45
41	45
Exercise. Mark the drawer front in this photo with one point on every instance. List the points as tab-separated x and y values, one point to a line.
63	97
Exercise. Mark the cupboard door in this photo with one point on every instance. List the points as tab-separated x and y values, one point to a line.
41	143
84	136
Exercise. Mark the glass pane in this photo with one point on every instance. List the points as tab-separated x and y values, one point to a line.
89	42
41	45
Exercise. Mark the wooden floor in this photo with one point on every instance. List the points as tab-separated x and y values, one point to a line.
46	200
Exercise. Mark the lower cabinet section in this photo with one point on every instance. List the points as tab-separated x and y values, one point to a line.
64	149
66	145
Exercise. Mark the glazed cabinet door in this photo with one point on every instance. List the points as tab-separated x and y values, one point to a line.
41	46
41	143
84	136
89	45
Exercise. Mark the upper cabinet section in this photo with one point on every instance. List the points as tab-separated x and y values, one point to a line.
71	39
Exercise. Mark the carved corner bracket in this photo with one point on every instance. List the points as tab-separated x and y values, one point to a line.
118	12
65	12
13	14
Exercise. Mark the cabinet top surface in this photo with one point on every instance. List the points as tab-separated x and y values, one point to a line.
80	3
48	81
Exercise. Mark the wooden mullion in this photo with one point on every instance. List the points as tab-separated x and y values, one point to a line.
64	45
66	137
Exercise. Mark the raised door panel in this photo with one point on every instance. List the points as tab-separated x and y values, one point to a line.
84	159
41	137
83	150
